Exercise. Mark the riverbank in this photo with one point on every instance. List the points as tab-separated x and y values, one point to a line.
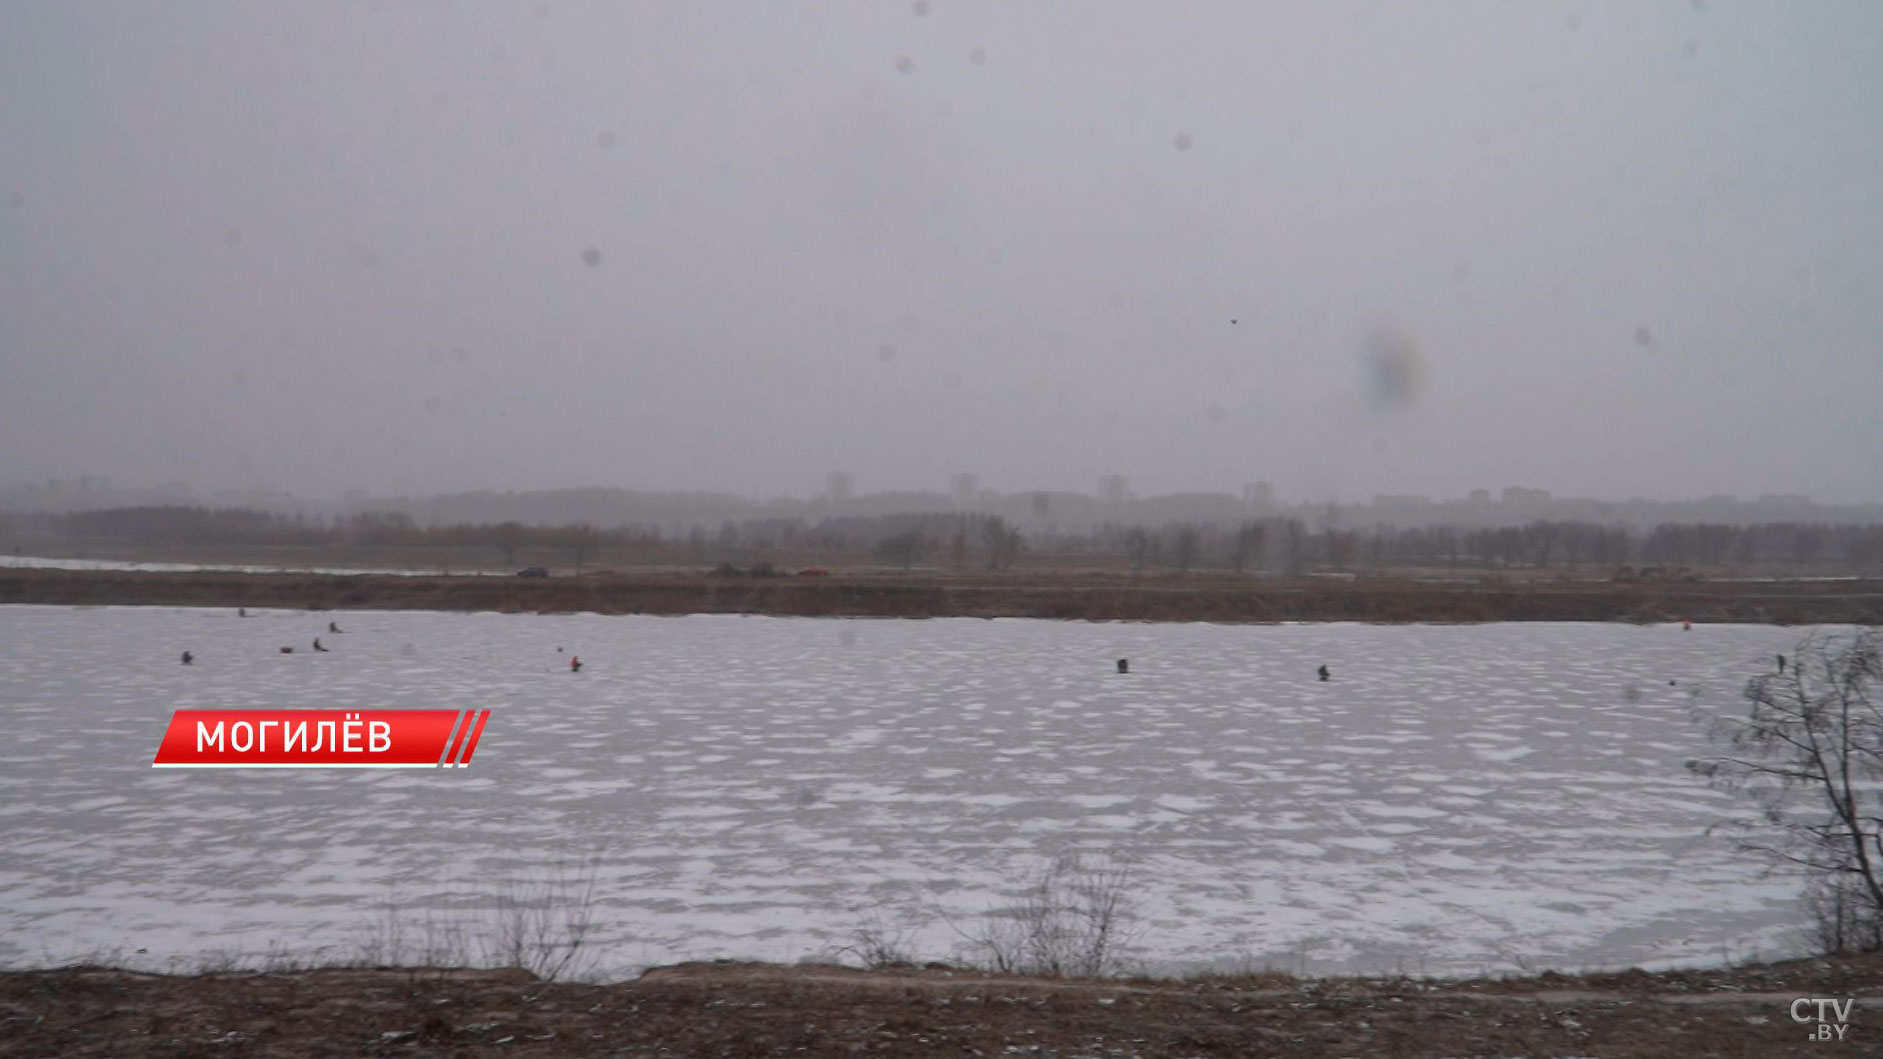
756	1010
1089	597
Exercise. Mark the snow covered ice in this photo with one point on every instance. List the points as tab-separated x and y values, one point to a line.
1456	799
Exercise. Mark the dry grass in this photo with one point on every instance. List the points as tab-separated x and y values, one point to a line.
1081	596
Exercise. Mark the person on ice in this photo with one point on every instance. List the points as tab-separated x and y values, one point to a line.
317	645
333	626
188	658
575	664
1324	673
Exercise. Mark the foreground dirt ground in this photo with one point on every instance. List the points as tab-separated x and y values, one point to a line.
749	1010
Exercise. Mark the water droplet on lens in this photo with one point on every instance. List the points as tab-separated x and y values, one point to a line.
1183	141
591	257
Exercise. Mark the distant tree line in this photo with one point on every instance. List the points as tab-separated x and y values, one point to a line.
964	542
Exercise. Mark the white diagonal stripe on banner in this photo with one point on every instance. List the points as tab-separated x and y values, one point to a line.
451	739
477	717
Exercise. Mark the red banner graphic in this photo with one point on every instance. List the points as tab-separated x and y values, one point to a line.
320	739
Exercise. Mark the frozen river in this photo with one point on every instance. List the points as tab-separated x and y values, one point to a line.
1457	799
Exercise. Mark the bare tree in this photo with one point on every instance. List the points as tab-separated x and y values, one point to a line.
1003	542
1250	541
1184	547
1074	918
1341	546
1138	546
1540	539
581	539
1807	541
905	549
509	536
1292	534
1810	752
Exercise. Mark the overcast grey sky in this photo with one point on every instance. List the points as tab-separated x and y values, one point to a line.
1605	249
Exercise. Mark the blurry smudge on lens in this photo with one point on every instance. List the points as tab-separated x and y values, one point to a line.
1392	369
1183	141
591	257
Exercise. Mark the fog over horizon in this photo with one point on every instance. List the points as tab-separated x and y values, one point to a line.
1603	250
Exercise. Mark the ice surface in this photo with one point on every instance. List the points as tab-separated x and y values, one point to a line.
1456	799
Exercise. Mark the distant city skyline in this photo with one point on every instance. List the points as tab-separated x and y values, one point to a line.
962	490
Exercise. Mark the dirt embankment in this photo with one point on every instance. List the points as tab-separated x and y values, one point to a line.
1069	596
756	1010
